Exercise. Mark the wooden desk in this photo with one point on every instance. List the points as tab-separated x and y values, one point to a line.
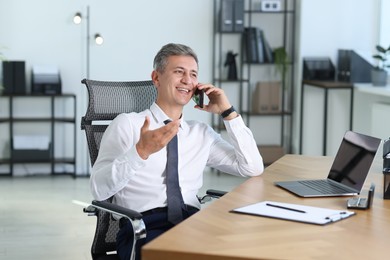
214	233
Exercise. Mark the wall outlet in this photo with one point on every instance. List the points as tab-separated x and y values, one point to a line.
270	6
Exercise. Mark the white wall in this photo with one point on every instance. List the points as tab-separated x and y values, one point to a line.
384	23
42	32
325	27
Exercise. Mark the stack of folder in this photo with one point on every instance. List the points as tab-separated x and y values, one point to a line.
256	46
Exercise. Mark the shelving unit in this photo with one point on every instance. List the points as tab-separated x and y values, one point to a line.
272	130
50	120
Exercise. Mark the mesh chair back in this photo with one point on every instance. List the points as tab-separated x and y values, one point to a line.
107	99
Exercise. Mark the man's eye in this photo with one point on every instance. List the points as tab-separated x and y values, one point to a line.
179	71
194	75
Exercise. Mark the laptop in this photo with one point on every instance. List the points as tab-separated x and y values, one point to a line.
348	172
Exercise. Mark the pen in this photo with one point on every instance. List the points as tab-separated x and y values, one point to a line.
282	207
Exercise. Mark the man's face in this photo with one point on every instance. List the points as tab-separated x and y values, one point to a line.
178	82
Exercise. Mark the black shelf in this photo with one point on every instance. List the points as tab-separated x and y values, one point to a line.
52	120
231	81
285	33
281	12
267	113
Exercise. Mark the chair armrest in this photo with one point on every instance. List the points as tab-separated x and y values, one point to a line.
116	209
134	217
215	193
211	194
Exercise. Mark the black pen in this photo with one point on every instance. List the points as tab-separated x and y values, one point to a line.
282	207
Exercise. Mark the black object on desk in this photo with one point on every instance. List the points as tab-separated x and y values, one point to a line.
318	69
351	67
362	203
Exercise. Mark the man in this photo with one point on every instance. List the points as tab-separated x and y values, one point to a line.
132	161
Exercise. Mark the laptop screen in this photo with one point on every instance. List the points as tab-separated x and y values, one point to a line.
353	159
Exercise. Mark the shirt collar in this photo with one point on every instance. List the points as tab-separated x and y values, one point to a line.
160	116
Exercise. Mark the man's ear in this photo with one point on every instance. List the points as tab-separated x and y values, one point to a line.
155	78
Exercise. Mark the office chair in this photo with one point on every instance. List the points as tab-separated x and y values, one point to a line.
106	100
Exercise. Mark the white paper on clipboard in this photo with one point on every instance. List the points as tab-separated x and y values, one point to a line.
294	212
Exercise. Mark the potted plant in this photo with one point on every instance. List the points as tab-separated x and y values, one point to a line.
379	73
281	61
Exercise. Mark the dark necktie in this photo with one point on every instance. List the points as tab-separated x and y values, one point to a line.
174	197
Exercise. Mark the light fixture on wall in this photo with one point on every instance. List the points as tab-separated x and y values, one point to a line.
98	39
77	19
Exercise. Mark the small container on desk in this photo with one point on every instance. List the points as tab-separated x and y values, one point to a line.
386	169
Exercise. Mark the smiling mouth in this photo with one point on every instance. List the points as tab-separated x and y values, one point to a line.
184	90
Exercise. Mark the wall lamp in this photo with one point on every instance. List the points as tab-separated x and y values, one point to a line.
77	19
98	39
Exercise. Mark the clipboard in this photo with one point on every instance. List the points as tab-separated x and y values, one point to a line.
294	212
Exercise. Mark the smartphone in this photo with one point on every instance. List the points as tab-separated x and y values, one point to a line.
362	203
198	97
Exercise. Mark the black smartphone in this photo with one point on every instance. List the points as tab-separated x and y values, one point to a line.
362	203
198	97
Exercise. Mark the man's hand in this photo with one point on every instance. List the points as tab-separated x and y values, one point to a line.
152	141
218	101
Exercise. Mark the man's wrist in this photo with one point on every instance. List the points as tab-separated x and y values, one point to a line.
227	112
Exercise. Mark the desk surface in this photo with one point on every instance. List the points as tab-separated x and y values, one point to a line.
328	84
214	233
370	89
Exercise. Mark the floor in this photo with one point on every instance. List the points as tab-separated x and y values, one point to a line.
38	219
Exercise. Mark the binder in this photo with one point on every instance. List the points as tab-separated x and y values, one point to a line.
232	16
250	45
260	45
268	55
226	21
353	68
256	47
295	212
238	16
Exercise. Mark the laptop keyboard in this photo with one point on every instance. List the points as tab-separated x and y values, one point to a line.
324	186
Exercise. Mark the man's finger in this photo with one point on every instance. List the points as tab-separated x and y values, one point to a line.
145	126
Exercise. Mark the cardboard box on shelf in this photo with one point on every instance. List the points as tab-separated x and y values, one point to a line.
267	98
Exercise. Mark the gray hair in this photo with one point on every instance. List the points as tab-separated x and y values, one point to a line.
171	49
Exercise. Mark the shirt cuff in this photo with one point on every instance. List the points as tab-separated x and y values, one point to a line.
235	123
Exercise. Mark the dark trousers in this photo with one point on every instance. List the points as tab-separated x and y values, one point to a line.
156	223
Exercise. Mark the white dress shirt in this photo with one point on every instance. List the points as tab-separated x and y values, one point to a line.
140	184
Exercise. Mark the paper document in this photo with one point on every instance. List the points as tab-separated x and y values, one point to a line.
295	212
